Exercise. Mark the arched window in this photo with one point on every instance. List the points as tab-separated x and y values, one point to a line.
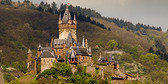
44	60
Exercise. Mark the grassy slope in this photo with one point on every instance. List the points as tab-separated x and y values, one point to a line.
124	36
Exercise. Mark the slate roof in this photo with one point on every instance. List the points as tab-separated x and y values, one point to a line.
72	54
47	48
66	16
68	41
78	51
81	51
59	41
46	54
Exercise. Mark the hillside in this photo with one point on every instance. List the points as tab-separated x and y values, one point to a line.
27	28
21	29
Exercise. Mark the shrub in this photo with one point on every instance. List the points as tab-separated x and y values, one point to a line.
21	66
63	69
103	64
8	77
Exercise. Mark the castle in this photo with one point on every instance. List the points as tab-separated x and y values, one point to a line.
66	48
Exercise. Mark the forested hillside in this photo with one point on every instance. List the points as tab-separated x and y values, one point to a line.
22	28
27	28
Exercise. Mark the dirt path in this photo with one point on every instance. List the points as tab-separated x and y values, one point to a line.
1	78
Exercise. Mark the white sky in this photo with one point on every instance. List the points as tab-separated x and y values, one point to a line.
153	12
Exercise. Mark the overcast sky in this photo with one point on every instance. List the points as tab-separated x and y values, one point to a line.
153	12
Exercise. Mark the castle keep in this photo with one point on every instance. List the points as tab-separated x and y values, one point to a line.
66	48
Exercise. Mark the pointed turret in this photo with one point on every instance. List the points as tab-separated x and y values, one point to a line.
39	46
73	54
60	16
60	20
29	60
69	19
83	41
74	20
74	17
100	57
29	51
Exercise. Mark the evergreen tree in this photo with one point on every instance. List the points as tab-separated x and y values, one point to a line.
151	50
54	8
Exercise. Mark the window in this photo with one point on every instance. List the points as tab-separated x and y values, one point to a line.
58	44
83	58
44	60
55	44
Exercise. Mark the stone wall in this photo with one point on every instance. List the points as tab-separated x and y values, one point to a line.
46	63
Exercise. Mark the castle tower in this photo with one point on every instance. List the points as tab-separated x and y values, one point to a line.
29	60
66	25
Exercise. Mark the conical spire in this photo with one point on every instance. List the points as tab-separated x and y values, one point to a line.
73	54
67	16
74	17
29	51
83	41
90	50
39	45
60	16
